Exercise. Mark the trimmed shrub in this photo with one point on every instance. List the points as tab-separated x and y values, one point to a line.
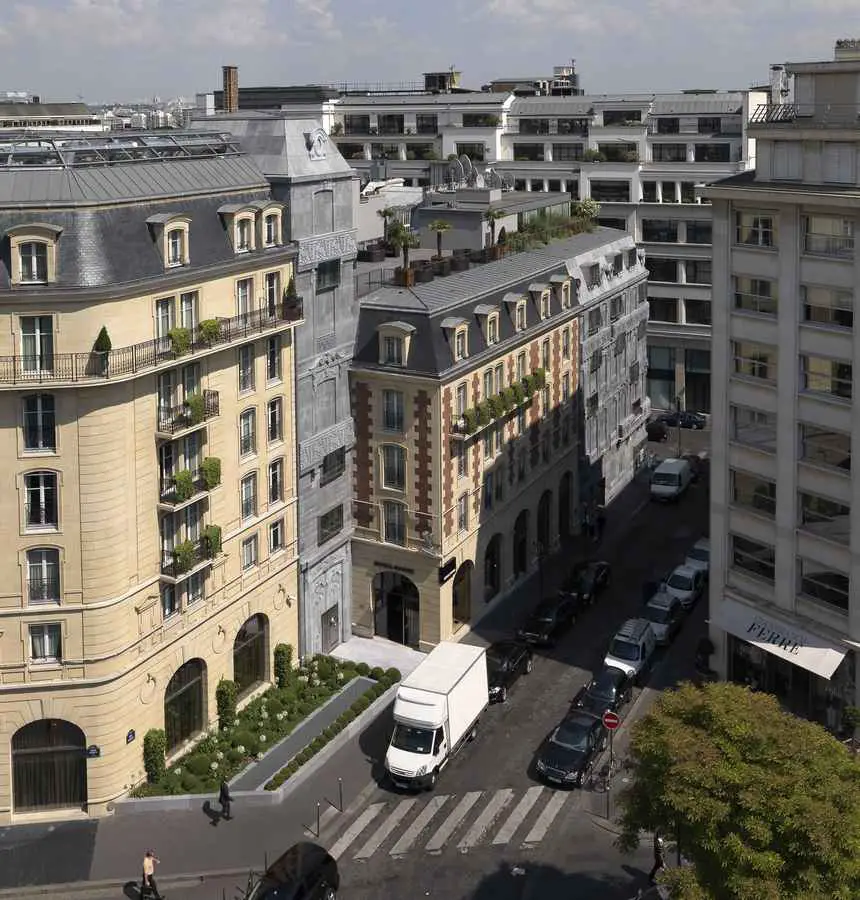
470	420
198	765
283	664
241	739
154	749
519	394
212	540
103	342
226	697
196	406
377	673
184	483
210	469
233	756
190	783
496	404
484	414
363	669
393	675
274	706
184	556
317	744
210	330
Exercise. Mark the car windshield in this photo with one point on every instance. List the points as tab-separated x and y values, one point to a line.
413	740
667	478
680	582
571	735
702	554
603	686
544	614
497	661
622	649
658	614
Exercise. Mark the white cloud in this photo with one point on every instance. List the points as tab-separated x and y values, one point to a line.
230	24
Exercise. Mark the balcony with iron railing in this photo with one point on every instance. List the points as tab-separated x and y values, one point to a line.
806	115
195	411
186	486
126	362
189	556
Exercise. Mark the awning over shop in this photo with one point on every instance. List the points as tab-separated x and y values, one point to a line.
788	642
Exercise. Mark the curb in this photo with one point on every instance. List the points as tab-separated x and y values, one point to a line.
260	797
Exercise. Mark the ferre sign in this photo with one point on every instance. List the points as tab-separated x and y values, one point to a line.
762	631
447	569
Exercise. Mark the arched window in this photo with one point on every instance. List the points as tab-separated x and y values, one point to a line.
184	703
249	654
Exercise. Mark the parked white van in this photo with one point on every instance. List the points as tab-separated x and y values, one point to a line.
670	479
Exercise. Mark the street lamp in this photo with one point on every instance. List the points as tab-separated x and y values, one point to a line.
678	421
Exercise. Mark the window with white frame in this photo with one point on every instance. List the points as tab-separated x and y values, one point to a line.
248	496
545	356
565	387
40	424
754	229
277	536
244	235
330	524
487	490
461	399
753	360
43	575
565	344
246	368
392	410
41	507
828	236
169	601
828	306
248	432
273	358
194	588
520	320
271	230
188	306
463	512
489	381
461	343
500	378
275	419
176	247
46	643
544	305
249	552
393	467
392	350
493	328
33	256
753	492
565	295
276	481
822	375
458	451
393	522
521	366
37	344
272	289
244	296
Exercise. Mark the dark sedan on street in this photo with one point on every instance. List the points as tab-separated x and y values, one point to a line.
610	690
552	616
569	753
656	431
693	420
506	661
588	580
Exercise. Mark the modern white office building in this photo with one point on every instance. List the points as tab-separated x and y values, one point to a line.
785	494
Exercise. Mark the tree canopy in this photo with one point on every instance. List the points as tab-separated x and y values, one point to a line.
765	806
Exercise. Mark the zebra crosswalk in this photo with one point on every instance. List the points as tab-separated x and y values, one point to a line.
466	822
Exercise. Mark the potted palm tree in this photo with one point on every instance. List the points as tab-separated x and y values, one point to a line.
492	216
386	214
441	264
402	238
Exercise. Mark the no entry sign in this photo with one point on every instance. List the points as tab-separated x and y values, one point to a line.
611	720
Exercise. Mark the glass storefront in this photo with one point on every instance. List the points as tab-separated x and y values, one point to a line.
798	690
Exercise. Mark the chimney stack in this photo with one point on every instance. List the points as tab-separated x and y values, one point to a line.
231	89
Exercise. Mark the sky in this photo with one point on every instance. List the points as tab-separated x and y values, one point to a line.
133	50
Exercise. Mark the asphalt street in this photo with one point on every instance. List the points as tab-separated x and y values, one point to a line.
490	828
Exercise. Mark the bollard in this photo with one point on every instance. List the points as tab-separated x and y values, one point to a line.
340	794
318	818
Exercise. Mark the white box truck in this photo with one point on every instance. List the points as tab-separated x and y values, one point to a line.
436	711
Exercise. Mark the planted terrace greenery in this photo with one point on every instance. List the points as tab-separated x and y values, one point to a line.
244	736
492	408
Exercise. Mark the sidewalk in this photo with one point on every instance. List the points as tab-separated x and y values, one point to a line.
377	651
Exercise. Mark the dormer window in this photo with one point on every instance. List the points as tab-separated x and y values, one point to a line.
33	257
271	229
493	329
540	294
461	344
521	316
394	341
489	319
561	289
244	235
176	247
457	330
544	305
33	251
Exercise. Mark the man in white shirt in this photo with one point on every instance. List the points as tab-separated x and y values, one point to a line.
148	887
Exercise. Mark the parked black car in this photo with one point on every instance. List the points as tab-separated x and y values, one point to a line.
552	616
588	580
568	754
506	661
305	872
610	689
685	419
656	430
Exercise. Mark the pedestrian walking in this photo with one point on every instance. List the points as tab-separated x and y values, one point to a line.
659	859
225	798
148	886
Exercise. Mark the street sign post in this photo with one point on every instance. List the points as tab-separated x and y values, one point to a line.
611	721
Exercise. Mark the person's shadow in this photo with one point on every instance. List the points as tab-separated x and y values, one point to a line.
131	889
213	815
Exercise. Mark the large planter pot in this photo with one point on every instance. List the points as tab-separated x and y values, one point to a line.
496	252
406	277
478	256
459	263
442	267
424	274
391	251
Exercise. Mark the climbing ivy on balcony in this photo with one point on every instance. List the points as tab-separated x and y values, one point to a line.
183	484
196	407
180	340
492	408
212	540
184	555
210	470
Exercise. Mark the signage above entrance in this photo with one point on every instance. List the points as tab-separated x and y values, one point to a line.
789	642
447	570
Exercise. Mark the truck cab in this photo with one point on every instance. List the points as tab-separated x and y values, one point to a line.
419	744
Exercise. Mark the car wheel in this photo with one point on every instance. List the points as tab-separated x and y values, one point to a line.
530	664
503	694
329	893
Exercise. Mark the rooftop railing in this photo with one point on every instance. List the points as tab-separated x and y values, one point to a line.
807	115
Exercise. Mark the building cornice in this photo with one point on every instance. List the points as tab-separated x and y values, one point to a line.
796	194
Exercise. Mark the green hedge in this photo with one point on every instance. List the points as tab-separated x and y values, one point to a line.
385	679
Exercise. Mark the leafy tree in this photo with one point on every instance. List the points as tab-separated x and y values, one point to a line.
385	214
404	239
492	216
440	226
765	806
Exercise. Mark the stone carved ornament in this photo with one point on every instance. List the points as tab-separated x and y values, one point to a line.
311	452
318	249
322	368
317	143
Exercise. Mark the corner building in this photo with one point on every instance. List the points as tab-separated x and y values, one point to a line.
785	494
148	433
478	419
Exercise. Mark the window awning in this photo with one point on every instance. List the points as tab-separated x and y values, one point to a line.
789	642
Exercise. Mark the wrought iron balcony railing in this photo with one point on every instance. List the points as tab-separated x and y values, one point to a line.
125	361
194	411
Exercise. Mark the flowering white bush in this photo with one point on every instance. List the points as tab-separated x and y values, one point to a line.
213	766
177	770
264	714
259	756
241	748
339	676
219	755
262	739
303	679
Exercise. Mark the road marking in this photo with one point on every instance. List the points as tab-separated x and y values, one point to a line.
425	817
328	823
500	800
385	829
446	829
515	819
355	829
546	818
